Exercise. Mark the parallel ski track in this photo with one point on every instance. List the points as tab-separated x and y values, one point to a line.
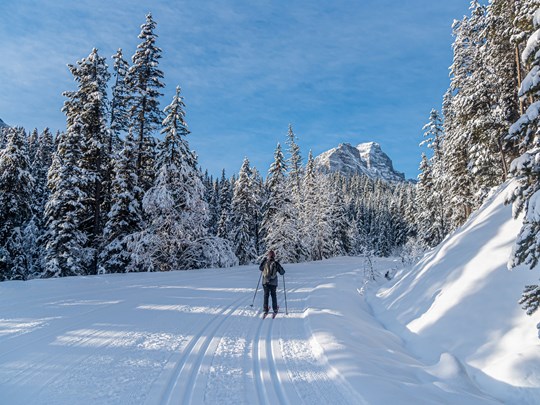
39	366
77	295
178	389
36	370
83	319
267	348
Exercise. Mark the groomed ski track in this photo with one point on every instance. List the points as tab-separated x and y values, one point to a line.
168	338
191	337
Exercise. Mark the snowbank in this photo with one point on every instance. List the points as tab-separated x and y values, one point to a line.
459	306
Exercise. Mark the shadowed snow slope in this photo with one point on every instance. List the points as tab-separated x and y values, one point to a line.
460	302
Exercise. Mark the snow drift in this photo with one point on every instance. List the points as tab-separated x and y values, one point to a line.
460	302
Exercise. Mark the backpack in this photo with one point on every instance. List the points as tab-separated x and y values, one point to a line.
269	271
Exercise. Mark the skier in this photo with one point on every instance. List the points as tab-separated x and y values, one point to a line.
270	268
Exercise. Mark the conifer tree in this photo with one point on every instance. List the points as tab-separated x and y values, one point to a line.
87	106
212	197
337	217
501	58
278	223
259	196
16	197
41	164
425	204
144	80
225	199
459	187
33	142
433	218
309	208
175	208
323	246
125	215
294	165
24	252
120	108
243	220
65	242
526	168
522	27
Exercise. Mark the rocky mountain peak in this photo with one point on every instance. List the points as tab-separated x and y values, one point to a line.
366	158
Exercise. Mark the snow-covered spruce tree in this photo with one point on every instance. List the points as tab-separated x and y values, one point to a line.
278	227
243	221
354	213
294	165
41	163
316	229
259	196
474	126
40	167
125	215
502	57
176	236
175	151
380	226
225	199
88	107
24	251
309	206
33	140
65	242
294	185
16	200
144	83
3	137
337	216
212	197
521	30
119	114
160	245
400	229
526	168
480	101
120	99
525	132
432	216
323	243
459	187
425	204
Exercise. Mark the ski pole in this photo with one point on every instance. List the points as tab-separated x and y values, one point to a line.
285	293
257	289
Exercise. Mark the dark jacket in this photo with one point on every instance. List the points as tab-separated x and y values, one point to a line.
276	268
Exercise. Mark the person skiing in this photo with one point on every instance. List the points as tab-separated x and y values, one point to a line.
270	268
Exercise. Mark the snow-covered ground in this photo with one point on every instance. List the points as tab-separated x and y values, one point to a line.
446	331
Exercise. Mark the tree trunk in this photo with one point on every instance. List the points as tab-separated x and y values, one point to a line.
518	68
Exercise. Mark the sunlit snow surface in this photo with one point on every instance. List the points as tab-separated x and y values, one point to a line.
448	331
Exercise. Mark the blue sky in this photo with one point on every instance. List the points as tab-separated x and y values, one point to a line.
338	71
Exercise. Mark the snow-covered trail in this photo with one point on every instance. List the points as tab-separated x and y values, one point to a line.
193	338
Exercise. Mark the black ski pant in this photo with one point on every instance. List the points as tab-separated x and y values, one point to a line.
270	290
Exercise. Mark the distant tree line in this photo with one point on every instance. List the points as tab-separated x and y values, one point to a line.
306	215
